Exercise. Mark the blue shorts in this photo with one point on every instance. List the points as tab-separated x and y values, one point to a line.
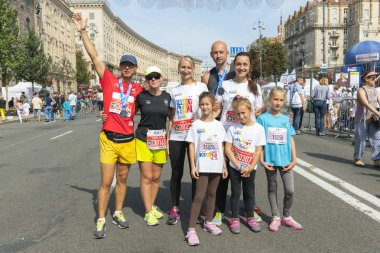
37	112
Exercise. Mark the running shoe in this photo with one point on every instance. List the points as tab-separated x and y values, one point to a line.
253	224
257	216
290	222
359	163
235	226
275	224
157	213
150	219
100	231
212	228
218	218
192	238
120	220
173	217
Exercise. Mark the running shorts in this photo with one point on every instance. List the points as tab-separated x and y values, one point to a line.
111	152
146	155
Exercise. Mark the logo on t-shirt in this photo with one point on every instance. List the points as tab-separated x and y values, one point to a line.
148	102
184	105
166	102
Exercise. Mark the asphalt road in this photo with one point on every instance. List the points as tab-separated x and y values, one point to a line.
49	175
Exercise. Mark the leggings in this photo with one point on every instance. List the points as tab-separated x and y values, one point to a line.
221	194
178	150
207	182
248	191
288	181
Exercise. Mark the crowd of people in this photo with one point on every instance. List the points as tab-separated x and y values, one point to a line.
221	123
52	106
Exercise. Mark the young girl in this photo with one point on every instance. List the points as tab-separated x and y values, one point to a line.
279	155
244	143
207	164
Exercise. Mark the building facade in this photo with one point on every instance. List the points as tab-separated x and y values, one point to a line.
347	22
113	38
25	15
58	40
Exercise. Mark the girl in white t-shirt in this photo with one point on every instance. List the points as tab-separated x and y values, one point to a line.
207	164
26	109
185	104
244	144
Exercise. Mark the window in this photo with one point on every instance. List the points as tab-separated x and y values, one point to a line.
92	16
345	11
344	51
345	42
366	24
345	20
345	32
366	13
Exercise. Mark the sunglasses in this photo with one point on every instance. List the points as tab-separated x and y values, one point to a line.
127	64
371	77
155	76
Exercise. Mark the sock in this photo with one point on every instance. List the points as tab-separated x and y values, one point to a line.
102	219
116	213
190	229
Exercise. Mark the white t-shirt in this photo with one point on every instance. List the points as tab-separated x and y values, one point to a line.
231	89
26	108
208	140
244	140
185	101
73	99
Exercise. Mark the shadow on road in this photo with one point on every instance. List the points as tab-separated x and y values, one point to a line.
329	157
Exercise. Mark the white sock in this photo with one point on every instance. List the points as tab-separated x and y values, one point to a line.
102	219
116	212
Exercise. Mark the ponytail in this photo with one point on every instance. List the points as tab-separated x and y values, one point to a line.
252	86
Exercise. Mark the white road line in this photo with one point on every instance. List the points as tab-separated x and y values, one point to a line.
61	135
355	190
340	194
98	119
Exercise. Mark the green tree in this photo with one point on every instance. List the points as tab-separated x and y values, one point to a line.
34	66
9	42
62	71
274	60
83	76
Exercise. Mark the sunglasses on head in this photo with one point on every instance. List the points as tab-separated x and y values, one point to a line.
155	76
371	77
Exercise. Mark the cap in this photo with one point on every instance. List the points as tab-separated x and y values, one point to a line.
152	69
371	73
128	58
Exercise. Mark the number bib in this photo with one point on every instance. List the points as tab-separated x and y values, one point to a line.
242	156
115	105
156	139
208	149
276	135
182	125
231	117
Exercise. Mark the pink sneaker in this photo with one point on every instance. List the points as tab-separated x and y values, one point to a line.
235	226
275	224
212	228
290	222
254	225
192	238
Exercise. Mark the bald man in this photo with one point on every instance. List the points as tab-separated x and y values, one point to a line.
222	70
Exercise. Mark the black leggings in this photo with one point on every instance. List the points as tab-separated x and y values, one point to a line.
248	191
177	152
221	194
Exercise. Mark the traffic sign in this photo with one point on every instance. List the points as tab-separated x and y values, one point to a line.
235	50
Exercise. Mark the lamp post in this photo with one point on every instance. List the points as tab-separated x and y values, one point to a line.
324	30
260	26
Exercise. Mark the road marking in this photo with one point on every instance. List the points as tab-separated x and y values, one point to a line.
340	194
61	135
98	119
355	190
25	140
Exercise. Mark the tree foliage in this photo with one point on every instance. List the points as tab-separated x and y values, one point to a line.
62	71
83	76
34	66
9	42
274	60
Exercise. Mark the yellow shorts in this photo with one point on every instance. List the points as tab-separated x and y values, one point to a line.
111	152
144	154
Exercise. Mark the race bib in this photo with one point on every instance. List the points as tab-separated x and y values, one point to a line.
156	139
208	149
115	105
231	117
182	125
276	135
242	156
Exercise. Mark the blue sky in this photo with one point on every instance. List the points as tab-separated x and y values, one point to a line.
193	32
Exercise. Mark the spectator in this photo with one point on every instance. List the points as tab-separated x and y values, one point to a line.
66	108
37	107
320	96
100	100
3	105
73	104
23	96
18	106
11	103
297	103
26	109
48	107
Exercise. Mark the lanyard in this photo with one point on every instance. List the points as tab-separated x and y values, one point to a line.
124	99
220	78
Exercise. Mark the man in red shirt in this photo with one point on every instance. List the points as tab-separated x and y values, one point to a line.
117	144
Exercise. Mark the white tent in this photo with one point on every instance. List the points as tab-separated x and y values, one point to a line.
15	91
291	77
271	85
284	77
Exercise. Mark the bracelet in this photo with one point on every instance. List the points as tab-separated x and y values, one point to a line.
239	167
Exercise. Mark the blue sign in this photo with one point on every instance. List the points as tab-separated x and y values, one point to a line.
235	50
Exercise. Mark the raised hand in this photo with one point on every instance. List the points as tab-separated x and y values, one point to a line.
79	21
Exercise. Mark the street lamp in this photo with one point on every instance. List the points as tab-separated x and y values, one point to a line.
324	31
260	26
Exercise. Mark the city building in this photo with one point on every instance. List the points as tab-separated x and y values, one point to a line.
347	22
25	15
113	38
57	32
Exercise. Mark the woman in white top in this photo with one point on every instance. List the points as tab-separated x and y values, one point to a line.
185	102
241	85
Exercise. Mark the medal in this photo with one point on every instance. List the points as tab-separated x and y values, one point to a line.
123	114
220	91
